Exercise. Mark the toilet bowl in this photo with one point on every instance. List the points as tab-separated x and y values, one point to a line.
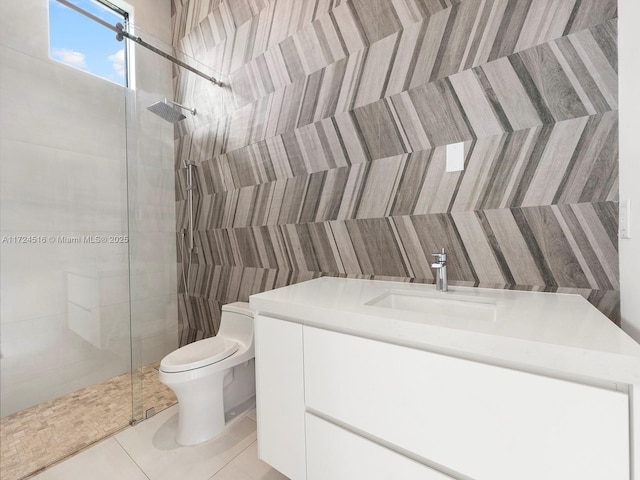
212	376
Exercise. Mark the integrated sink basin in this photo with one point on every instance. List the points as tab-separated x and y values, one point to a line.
439	304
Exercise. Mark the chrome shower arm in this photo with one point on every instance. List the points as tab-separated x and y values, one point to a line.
192	110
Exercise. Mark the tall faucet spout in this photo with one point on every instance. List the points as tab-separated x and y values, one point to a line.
440	265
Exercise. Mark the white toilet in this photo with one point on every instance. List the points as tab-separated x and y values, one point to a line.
212	376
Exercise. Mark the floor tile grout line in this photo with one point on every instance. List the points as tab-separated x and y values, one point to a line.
237	420
132	459
73	454
212	477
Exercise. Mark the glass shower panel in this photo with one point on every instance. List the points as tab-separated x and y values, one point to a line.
63	221
65	343
132	130
157	188
88	252
151	176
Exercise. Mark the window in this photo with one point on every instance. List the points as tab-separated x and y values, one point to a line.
83	43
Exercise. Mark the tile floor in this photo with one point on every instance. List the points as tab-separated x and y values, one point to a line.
41	435
149	451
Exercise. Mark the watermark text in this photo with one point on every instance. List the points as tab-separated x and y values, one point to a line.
62	239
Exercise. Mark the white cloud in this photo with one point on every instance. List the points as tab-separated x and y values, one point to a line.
117	61
70	57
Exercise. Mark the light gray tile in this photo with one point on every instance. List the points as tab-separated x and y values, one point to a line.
104	461
152	445
247	466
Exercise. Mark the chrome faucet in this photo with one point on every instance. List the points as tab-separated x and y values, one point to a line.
441	271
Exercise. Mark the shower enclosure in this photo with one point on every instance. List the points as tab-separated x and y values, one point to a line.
88	280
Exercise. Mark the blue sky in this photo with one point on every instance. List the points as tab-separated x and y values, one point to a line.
85	44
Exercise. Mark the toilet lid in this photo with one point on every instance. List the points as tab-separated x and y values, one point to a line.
199	354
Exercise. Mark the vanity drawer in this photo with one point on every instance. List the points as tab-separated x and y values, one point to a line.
482	421
338	454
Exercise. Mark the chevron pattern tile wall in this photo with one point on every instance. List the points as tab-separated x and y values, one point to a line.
325	152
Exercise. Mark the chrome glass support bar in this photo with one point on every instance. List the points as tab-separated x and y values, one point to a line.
89	15
121	34
124	34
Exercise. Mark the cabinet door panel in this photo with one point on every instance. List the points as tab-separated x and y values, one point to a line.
485	422
337	454
280	395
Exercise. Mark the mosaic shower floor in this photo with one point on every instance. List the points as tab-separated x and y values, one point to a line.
44	434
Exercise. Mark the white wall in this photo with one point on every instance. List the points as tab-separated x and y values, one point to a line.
629	69
64	317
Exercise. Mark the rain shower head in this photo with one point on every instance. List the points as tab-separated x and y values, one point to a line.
168	111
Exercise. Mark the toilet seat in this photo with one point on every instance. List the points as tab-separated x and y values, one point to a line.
199	354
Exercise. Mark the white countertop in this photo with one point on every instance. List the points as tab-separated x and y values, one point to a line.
548	333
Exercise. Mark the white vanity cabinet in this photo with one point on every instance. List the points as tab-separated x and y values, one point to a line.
481	421
299	444
337	454
470	418
280	395
339	397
